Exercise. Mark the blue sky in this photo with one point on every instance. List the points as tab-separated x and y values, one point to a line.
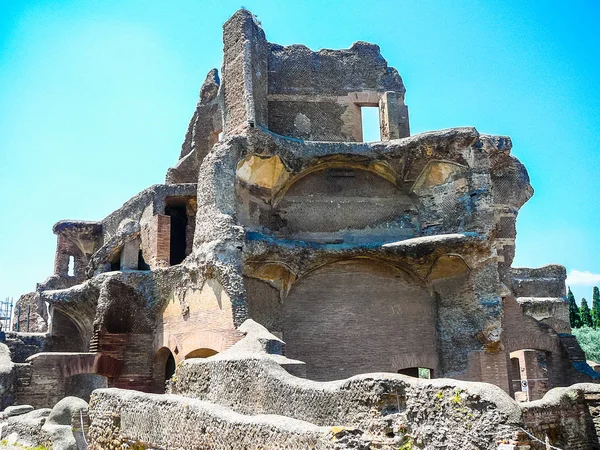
95	98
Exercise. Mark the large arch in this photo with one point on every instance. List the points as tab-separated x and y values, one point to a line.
359	316
339	199
323	202
67	334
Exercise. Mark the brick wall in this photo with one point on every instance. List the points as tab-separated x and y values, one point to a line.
156	241
135	352
358	317
195	318
42	381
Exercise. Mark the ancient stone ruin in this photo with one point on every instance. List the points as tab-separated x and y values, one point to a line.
290	286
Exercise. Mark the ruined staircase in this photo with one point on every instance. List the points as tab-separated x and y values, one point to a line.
94	342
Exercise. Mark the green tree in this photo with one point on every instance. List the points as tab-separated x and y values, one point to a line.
574	316
586	314
596	307
589	339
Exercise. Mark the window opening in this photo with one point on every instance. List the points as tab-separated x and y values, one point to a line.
71	269
417	372
371	130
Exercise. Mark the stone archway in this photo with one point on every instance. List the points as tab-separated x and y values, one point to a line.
359	316
163	368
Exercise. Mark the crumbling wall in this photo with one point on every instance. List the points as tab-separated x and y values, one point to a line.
376	411
203	132
138	222
76	243
244	85
132	419
546	282
45	378
23	345
27	317
565	418
318	95
72	314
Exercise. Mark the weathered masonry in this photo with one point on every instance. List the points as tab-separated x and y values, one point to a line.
350	258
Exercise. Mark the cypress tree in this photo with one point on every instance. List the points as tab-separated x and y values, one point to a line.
586	314
574	316
596	307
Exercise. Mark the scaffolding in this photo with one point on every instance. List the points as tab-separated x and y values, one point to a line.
6	308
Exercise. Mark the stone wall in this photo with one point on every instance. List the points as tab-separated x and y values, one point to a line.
23	345
127	418
318	95
566	418
26	315
382	411
42	380
547	281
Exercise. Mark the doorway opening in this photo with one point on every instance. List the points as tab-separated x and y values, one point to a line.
528	372
170	367
179	222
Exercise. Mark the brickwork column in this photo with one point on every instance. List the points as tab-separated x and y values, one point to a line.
61	258
156	241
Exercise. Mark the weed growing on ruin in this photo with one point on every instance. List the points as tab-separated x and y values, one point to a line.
4	443
456	398
408	445
439	395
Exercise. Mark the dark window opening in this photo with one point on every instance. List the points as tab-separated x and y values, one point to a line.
179	221
371	130
417	372
115	263
142	264
170	367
